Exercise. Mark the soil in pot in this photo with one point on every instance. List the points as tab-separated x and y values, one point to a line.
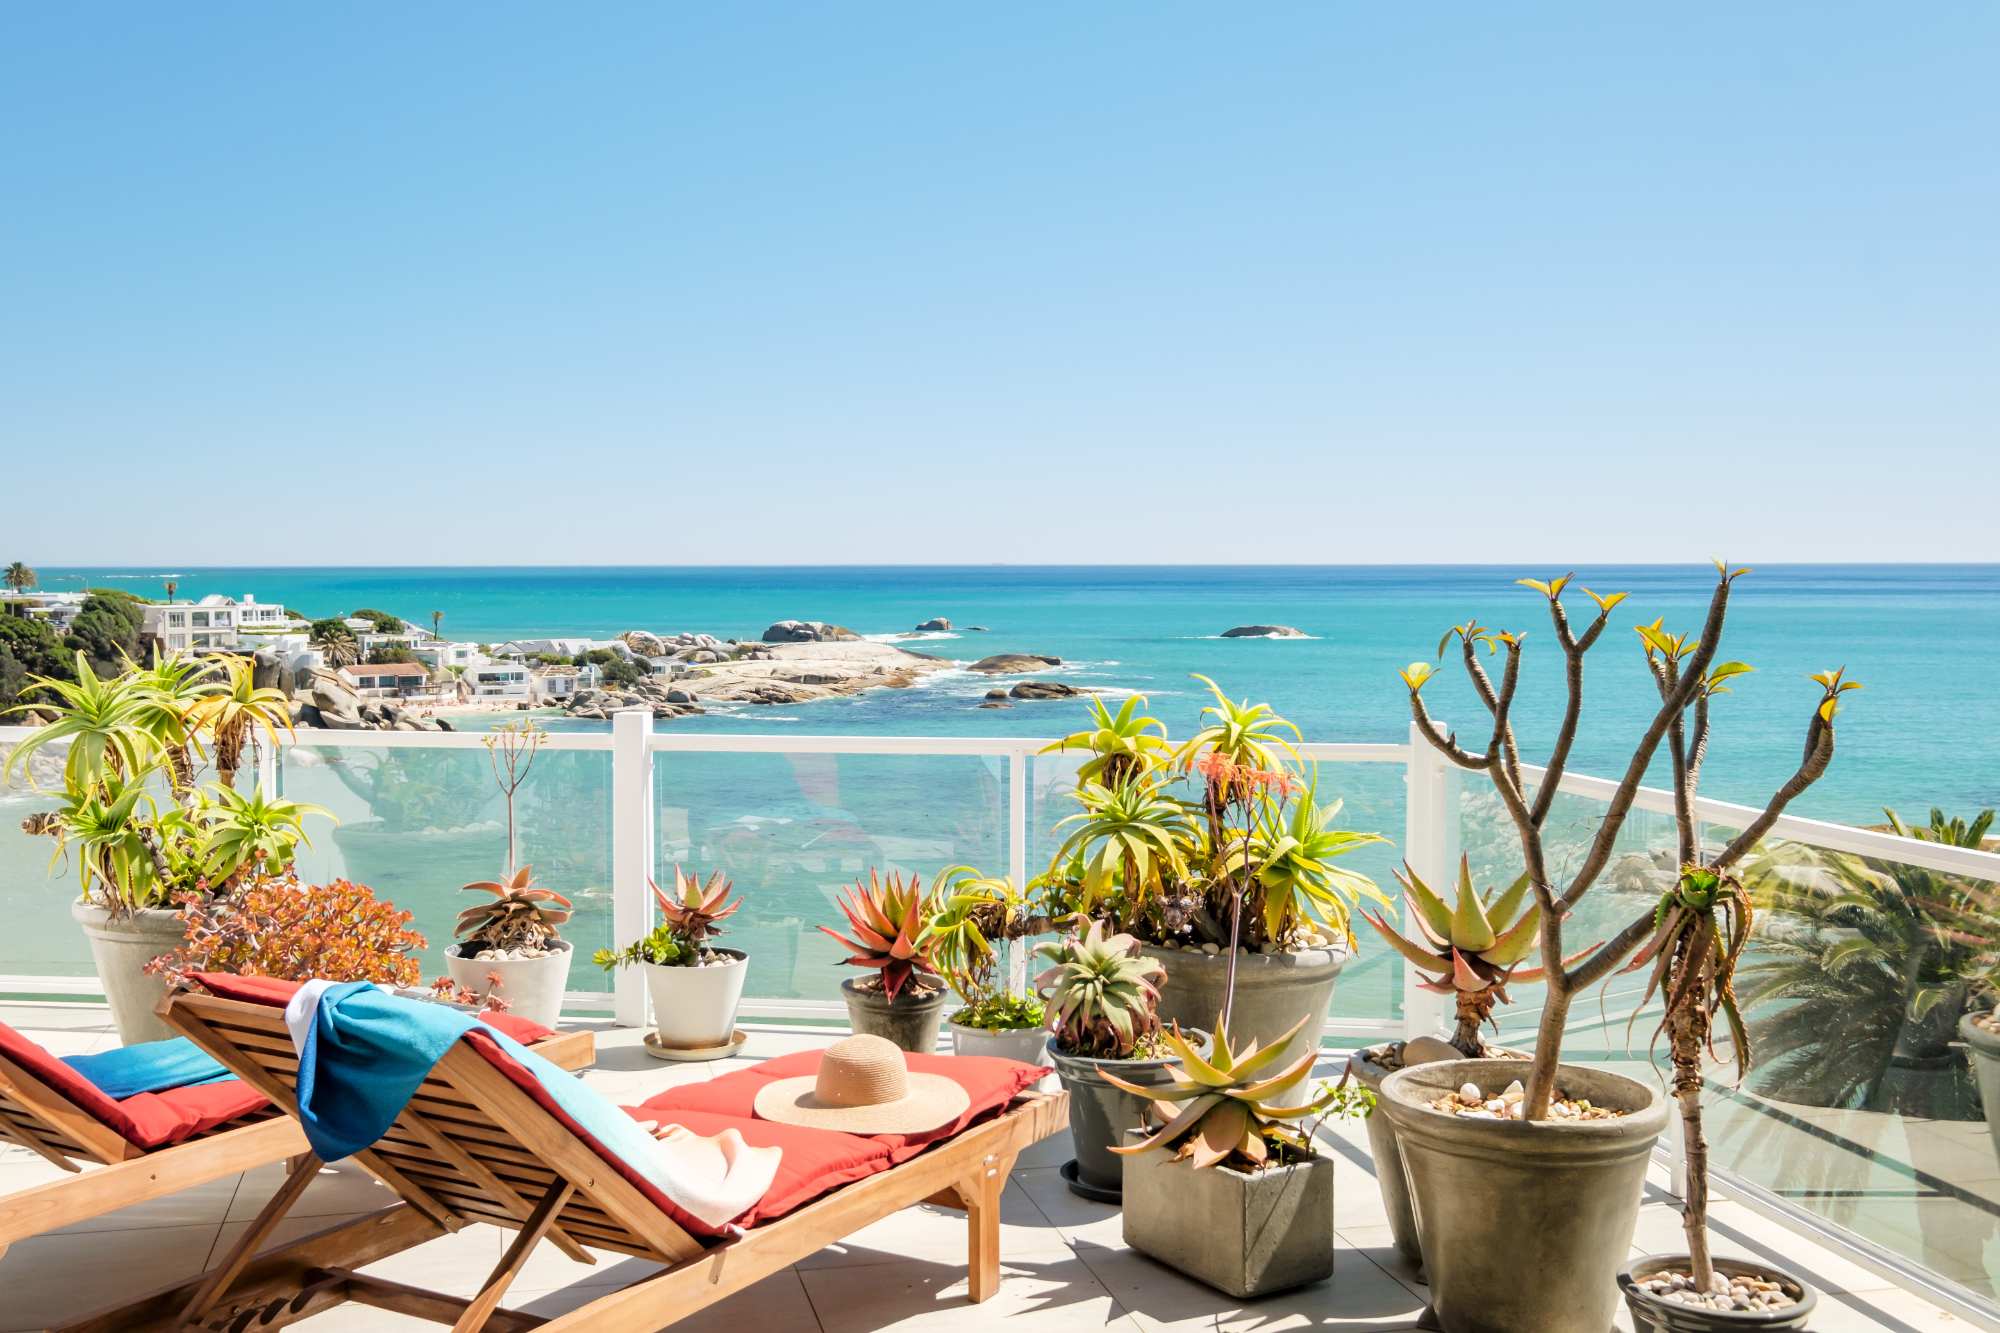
695	1007
121	945
1100	1115
1273	991
1246	1233
532	987
1523	1224
1660	1292
911	1020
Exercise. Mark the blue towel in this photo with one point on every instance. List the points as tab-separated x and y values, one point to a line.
148	1066
368	1051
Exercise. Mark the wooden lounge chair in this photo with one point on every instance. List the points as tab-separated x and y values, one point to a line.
154	1144
477	1145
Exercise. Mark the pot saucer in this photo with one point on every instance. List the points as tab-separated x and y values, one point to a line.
660	1051
1079	1186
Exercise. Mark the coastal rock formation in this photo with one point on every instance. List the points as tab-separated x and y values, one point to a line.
1044	689
933	625
786	673
1007	664
324	700
643	643
809	631
1263	632
975	629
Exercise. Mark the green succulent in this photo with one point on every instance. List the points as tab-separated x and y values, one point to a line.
1103	994
1123	745
1225	1106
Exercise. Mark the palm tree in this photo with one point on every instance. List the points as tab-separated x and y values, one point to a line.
236	711
1860	971
336	643
172	588
437	618
19	577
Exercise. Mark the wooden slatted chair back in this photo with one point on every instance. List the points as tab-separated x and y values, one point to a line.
471	1146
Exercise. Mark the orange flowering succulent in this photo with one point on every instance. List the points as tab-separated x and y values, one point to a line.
275	926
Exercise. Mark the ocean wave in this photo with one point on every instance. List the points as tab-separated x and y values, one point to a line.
906	636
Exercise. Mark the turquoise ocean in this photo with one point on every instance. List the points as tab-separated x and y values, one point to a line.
790	829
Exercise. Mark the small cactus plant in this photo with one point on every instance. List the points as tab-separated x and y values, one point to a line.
891	925
693	908
1104	995
521	915
1470	951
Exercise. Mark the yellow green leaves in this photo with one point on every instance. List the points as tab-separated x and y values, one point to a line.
1551	588
1416	674
1712	683
1673	647
1835	685
1471	932
1729	575
1605	601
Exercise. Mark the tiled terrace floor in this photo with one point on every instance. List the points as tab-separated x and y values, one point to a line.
1066	1265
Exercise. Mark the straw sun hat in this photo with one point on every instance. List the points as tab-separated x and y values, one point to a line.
864	1086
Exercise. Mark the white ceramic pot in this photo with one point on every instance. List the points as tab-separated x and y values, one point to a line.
121	946
694	1008
1028	1045
532	987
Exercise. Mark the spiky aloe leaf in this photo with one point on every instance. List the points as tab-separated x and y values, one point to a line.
1470	930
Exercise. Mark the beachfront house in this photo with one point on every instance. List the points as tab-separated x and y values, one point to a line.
444	654
386	680
57	608
215	623
553	684
498	680
528	650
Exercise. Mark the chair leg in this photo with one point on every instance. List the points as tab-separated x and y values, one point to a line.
981	1193
213	1288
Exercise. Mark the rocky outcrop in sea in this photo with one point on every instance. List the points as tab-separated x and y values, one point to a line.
1264	632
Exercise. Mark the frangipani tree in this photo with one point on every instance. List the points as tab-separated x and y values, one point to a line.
1698	928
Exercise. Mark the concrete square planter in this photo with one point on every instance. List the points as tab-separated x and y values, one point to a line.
1244	1233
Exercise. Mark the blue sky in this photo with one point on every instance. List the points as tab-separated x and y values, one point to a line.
830	283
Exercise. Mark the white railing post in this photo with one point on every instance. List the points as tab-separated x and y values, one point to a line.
1017	861
267	766
631	852
1430	845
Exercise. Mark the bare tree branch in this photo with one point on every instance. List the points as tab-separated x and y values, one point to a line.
1819	740
1573	651
1448	746
1601	846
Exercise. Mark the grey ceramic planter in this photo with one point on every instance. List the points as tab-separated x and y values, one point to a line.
1523	1225
1985	1048
121	945
1101	1115
1248	1234
910	1022
1273	991
1650	1313
1388	1159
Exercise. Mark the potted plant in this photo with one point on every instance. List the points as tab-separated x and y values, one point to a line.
1471	951
890	927
1165	869
974	911
695	987
148	835
1230	1189
1557	1164
1103	998
513	947
1704	927
274	926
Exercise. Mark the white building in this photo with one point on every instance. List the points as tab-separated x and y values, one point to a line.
553	683
498	680
443	654
57	608
215	623
522	650
386	680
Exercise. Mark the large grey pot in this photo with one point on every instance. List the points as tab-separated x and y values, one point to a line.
1523	1224
121	946
911	1022
1101	1115
1245	1233
1985	1048
1388	1158
1273	991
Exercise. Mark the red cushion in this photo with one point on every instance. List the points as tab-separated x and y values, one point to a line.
81	1092
816	1160
989	1084
273	991
182	1113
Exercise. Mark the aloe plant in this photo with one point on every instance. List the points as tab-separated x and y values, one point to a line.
693	908
1471	950
1103	994
1122	745
521	914
1224	1107
890	921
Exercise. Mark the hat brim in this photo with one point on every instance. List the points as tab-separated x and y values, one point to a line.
931	1101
